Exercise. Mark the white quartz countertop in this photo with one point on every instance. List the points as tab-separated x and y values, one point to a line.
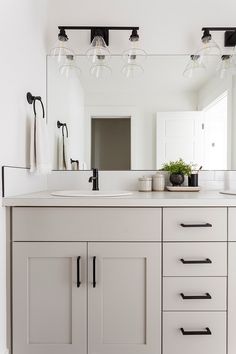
137	199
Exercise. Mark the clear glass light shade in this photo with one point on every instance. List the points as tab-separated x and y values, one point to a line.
194	67
70	67
208	47
134	55
226	66
131	71
98	50
60	51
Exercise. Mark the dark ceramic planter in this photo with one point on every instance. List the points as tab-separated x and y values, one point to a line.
177	179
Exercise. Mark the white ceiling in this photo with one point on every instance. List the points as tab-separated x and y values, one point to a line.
165	26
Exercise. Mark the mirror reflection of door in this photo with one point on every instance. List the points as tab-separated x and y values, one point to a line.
180	135
111	143
216	116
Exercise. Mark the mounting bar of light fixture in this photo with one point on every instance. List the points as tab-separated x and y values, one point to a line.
230	34
98	30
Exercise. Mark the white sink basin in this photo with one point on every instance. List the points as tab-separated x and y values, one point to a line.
96	194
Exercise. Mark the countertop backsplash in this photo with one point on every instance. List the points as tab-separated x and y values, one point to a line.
108	180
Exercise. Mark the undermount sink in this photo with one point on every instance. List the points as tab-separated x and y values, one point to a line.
78	193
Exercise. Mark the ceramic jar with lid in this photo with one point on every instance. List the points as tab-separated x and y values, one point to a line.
158	182
145	184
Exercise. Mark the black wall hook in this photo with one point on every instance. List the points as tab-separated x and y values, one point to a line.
32	99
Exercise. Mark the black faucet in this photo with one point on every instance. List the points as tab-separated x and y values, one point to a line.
94	179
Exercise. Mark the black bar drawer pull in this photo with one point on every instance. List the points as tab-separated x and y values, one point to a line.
203	261
94	272
196	297
78	272
207	332
207	224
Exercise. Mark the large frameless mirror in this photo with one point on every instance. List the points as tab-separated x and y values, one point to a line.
114	115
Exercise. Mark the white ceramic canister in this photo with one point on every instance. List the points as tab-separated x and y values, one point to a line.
158	182
145	184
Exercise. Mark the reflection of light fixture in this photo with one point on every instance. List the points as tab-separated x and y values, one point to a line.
70	68
100	70
60	50
194	66
98	49
225	66
134	55
131	71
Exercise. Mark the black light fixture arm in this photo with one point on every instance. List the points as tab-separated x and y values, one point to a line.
95	31
230	34
112	28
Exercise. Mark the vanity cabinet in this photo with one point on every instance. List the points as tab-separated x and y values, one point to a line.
194	280
86	297
122	280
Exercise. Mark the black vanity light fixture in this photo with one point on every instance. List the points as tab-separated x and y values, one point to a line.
209	45
227	62
98	52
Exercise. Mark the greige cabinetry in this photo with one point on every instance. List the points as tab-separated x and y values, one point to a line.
123	280
73	297
195	280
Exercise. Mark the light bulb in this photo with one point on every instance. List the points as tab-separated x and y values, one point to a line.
61	50
208	47
134	55
98	50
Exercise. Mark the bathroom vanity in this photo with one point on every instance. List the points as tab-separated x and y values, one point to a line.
148	273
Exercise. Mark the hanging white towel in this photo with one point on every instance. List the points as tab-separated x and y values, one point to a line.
63	153
83	165
40	157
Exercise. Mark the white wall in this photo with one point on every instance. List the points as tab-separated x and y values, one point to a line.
22	69
209	93
165	27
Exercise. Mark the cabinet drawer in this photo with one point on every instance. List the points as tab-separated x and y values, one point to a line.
195	259
86	224
175	342
194	294
195	224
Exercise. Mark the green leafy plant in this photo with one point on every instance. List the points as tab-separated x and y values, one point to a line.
178	167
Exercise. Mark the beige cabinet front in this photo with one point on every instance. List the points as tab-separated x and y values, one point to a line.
194	333
50	287
49	298
124	299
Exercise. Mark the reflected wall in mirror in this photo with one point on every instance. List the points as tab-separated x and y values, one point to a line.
139	123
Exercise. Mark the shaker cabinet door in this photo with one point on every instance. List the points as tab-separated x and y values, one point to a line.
49	298
124	298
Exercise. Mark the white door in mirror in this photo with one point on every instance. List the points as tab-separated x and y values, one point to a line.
78	193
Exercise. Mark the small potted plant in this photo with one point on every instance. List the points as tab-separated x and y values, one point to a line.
177	169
